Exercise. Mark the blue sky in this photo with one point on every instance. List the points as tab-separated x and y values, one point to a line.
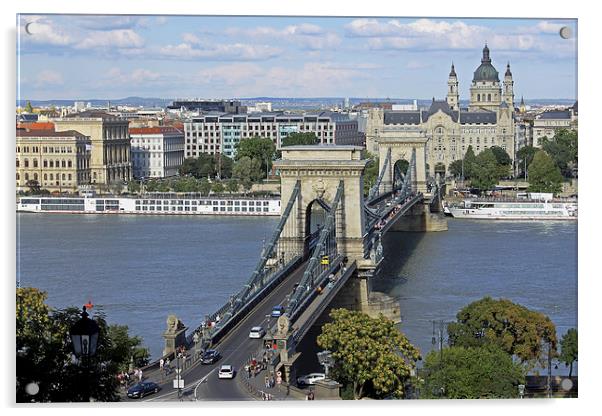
80	57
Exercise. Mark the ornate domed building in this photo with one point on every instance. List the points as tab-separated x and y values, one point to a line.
488	121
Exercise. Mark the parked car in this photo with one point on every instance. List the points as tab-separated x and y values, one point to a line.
257	332
310	379
210	357
143	388
226	371
277	311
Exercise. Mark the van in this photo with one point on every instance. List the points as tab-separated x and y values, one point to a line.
277	311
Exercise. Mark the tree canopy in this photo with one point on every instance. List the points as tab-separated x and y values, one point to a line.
370	172
563	149
485	171
44	353
455	168
370	354
295	139
471	373
207	165
247	171
568	349
470	161
501	156
259	149
514	328
544	175
525	157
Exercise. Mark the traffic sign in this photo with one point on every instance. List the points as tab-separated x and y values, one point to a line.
178	384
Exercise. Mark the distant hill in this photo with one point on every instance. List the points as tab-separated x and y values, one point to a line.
278	102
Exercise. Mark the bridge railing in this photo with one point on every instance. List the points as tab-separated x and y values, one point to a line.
375	190
270	270
323	254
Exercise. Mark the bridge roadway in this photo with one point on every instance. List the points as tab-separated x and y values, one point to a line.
234	348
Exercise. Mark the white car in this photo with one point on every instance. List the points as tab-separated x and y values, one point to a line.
257	332
310	379
226	371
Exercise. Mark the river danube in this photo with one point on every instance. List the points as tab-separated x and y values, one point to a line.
139	269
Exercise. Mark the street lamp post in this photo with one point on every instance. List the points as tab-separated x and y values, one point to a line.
521	391
84	337
326	360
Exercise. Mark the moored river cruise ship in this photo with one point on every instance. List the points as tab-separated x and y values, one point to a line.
151	205
516	209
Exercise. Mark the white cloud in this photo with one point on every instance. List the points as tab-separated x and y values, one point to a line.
306	35
311	79
225	52
122	38
49	77
136	77
44	31
109	22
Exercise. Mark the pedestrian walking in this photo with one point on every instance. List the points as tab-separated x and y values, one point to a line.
139	375
161	363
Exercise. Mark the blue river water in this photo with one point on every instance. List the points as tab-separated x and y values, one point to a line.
140	269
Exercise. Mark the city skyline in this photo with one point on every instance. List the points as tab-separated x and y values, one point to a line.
297	57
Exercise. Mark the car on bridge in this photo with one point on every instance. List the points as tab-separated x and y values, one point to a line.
143	388
210	357
310	379
257	332
226	371
277	311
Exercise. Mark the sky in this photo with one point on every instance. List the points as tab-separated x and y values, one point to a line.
94	56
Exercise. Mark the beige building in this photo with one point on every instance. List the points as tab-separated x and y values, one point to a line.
109	135
546	123
58	161
488	121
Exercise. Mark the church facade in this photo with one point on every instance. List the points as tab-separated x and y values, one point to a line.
488	121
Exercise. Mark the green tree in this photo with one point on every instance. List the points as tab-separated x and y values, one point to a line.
563	150
217	187
525	157
501	156
370	172
28	107
514	328
296	139
485	372
486	172
133	186
44	353
34	186
257	148
224	165
247	171
187	184
544	175
455	168
232	185
116	187
470	161
370	354
568	349
204	186
190	166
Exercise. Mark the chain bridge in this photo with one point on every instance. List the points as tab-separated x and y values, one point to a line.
325	248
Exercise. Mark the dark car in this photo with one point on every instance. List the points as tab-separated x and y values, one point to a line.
143	388
210	356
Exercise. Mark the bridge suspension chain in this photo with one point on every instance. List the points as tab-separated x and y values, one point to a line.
374	191
324	253
267	269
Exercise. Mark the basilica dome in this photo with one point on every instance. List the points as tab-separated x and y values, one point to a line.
485	71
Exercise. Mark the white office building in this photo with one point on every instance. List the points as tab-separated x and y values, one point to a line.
157	152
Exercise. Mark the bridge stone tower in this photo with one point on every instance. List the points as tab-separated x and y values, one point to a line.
402	141
320	170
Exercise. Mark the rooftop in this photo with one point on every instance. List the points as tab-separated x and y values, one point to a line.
47	133
154	130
